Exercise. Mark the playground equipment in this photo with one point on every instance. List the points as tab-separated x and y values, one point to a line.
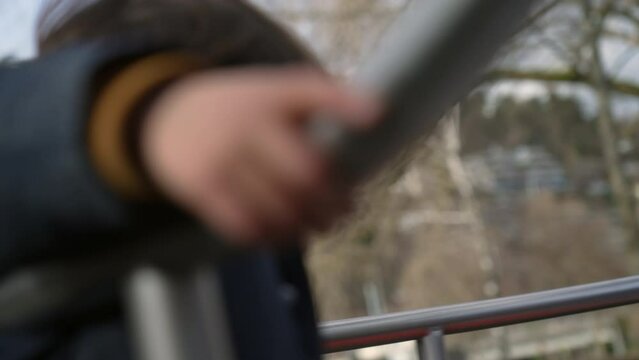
428	326
432	57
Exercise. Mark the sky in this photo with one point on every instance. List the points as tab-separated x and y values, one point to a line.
17	24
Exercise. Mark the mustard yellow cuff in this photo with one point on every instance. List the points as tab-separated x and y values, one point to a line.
116	101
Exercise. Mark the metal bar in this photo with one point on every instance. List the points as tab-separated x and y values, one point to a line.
412	325
431	346
421	68
178	315
49	292
151	316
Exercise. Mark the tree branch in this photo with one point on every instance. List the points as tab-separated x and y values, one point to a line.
541	12
622	87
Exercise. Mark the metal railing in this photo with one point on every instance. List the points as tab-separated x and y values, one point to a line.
428	326
168	283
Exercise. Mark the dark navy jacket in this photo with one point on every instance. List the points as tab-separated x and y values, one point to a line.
53	206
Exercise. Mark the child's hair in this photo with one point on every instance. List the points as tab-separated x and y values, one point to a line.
223	32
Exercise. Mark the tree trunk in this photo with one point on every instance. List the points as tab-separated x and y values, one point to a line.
621	193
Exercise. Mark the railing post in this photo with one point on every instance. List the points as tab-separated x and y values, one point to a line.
178	315
431	346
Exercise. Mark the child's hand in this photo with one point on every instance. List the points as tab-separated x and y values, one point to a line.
230	148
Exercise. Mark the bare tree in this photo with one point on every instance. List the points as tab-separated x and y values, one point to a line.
583	63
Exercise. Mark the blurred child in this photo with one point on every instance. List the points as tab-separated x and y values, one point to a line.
138	111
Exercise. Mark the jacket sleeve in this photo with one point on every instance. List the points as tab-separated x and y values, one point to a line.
52	200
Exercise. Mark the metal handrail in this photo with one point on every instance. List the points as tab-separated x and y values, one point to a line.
466	317
427	52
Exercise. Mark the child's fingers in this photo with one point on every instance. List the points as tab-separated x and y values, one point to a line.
219	115
311	193
224	209
304	92
255	184
288	158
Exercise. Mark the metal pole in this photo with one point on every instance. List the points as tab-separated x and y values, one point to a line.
431	346
178	314
433	55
